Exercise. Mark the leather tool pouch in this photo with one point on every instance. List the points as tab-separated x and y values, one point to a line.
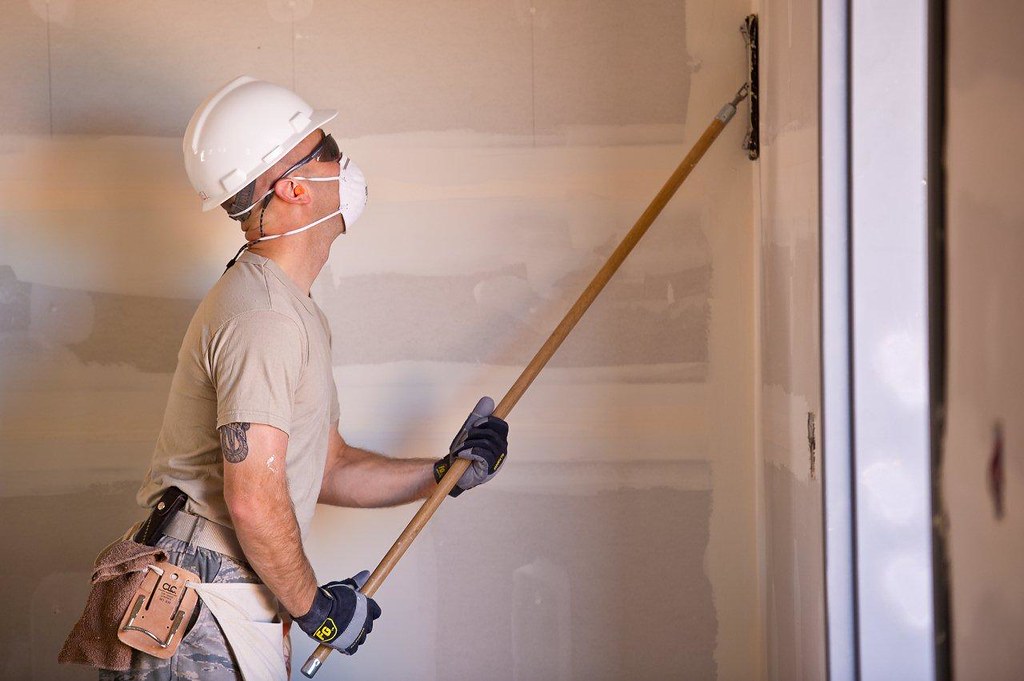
172	501
159	611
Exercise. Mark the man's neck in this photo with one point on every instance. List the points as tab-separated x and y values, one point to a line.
301	260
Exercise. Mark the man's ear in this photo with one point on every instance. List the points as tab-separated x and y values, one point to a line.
292	191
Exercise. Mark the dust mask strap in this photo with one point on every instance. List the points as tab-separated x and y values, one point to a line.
252	205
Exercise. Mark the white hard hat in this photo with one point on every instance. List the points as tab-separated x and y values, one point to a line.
242	130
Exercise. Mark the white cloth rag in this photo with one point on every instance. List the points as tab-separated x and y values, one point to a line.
247	614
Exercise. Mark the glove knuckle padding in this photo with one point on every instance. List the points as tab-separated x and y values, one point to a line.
483	438
497	425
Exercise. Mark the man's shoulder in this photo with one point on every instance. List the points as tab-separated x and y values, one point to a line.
244	290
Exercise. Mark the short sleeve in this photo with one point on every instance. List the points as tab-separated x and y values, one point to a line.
335	409
256	360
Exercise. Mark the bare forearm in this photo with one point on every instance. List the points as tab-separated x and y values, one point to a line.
256	494
270	537
364	479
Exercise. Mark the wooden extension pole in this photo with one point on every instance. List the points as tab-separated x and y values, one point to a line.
531	371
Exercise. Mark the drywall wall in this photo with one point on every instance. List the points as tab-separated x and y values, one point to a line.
983	471
789	329
508	145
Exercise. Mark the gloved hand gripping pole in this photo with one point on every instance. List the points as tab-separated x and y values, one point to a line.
539	360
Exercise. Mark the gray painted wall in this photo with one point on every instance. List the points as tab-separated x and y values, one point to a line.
508	145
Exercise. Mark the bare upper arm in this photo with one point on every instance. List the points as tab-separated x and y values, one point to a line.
335	442
254	457
336	448
336	455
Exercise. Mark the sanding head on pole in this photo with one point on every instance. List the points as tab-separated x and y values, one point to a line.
752	143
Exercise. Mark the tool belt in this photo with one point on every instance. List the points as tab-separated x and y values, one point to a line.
165	604
169	518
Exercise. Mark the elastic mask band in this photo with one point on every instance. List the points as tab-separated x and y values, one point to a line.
249	244
342	162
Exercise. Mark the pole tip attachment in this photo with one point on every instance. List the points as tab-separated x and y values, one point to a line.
741	94
311	667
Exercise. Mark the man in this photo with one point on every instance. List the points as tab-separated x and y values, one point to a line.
250	441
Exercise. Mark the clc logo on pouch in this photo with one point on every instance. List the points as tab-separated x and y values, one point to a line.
327	631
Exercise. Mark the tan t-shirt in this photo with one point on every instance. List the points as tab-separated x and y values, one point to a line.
258	350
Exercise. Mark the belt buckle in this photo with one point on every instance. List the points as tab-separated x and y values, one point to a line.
160	608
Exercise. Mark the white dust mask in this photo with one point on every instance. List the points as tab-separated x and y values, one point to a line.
352	192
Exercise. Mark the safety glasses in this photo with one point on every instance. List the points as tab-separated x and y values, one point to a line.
326	151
